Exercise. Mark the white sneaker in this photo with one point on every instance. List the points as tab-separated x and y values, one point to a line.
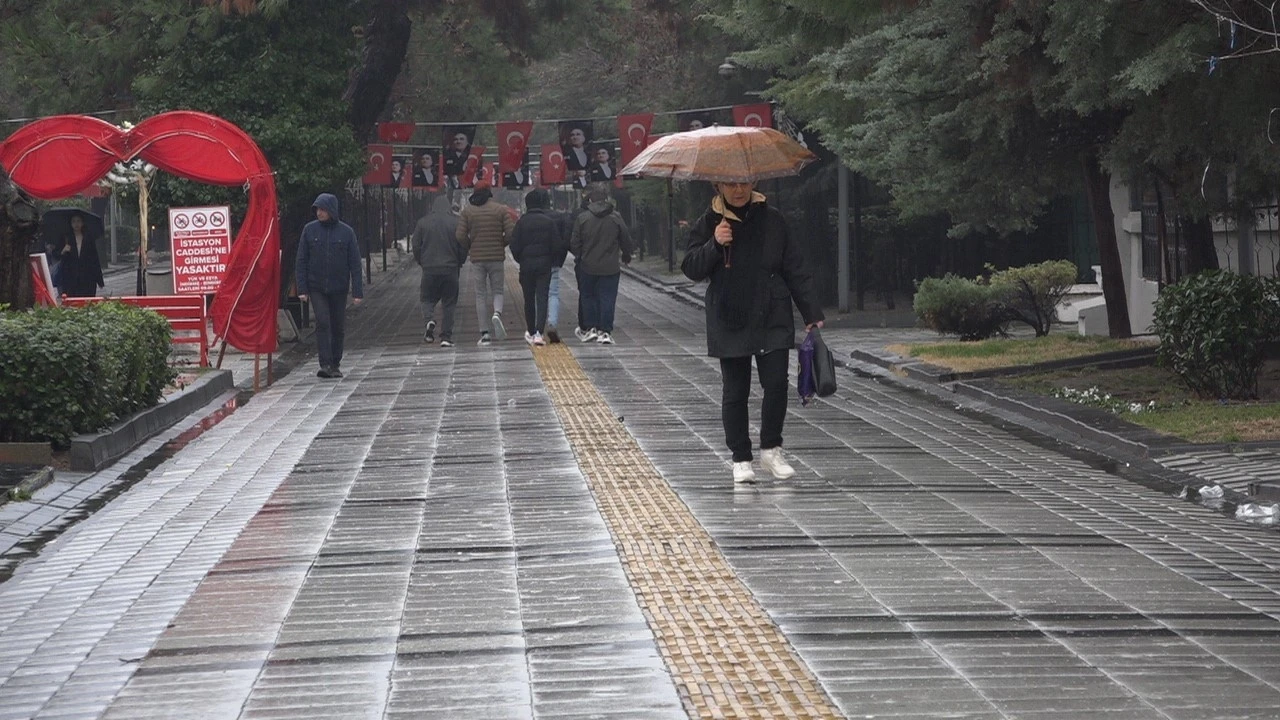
579	333
484	339
777	465
590	335
604	338
499	330
528	338
537	340
742	472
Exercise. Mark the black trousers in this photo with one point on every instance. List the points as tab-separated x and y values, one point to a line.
537	290
330	310
440	287
736	377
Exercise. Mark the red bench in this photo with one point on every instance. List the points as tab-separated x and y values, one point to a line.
185	313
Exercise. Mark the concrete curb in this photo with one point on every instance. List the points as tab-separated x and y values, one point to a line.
94	451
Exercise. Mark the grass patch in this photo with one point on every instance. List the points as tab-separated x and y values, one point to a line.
1176	410
1013	352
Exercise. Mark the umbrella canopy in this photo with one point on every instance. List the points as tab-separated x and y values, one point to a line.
55	224
722	154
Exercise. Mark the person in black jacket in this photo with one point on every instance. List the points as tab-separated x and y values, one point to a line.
537	243
79	273
328	266
756	272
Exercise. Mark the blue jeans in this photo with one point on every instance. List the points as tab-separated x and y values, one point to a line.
553	298
330	310
599	297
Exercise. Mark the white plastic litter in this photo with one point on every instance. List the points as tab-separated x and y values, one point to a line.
1211	491
1256	512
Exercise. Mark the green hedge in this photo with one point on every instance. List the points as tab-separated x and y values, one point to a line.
65	371
953	305
1214	327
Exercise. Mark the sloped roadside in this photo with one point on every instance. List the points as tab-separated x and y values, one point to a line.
1243	471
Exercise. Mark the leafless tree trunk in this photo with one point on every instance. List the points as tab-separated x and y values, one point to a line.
386	41
1097	183
18	224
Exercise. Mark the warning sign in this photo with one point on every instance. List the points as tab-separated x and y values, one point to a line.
201	244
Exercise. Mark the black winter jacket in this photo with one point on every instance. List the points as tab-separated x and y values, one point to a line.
538	242
328	254
780	276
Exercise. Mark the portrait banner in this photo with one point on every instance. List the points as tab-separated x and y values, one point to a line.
633	135
513	142
575	144
400	171
456	141
426	167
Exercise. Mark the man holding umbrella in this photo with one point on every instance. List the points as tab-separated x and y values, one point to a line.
756	272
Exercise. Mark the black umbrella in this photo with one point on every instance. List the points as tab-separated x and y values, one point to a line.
55	224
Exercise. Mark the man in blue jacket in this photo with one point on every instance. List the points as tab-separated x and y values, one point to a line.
328	267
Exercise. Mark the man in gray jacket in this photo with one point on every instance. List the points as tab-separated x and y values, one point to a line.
599	236
436	249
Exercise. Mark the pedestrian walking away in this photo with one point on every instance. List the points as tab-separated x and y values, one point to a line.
327	268
600	237
484	231
537	244
565	224
756	271
437	251
578	329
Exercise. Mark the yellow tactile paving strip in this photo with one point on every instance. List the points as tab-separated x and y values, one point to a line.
728	658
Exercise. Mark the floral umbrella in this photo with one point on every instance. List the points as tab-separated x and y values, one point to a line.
722	154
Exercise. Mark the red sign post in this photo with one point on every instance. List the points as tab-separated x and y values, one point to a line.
201	244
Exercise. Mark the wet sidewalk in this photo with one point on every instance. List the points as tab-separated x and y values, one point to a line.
502	532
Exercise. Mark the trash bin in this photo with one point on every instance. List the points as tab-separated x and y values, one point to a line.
160	279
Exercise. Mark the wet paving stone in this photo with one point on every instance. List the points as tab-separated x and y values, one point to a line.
419	539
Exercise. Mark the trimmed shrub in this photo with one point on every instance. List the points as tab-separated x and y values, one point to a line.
1213	328
953	305
65	371
1032	292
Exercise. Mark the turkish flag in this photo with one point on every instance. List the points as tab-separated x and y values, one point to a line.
377	165
552	164
513	139
755	115
394	132
473	166
633	136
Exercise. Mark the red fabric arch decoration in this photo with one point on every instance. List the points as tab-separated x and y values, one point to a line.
60	156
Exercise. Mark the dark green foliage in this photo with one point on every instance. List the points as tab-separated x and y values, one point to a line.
953	305
1213	328
1032	292
66	371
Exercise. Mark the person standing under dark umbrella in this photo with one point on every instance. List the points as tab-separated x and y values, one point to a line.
756	271
328	265
79	270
